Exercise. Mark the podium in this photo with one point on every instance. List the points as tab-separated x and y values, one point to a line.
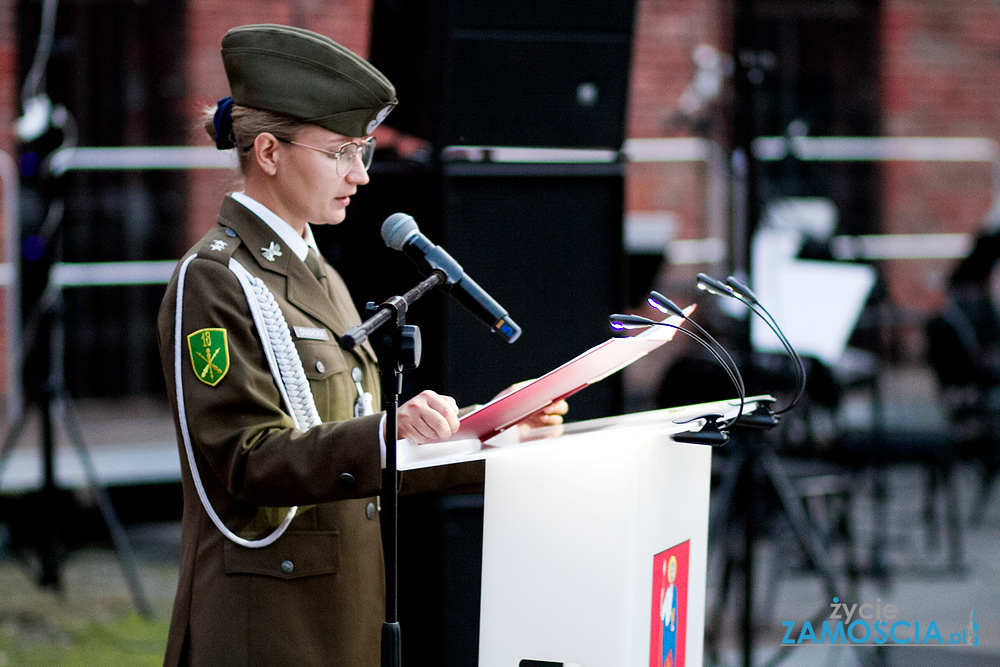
594	532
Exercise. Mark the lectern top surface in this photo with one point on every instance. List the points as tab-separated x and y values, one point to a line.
668	421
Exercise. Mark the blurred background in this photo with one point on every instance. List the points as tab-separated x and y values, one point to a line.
840	156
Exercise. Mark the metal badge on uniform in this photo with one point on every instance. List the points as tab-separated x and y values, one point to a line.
271	251
311	333
375	122
363	406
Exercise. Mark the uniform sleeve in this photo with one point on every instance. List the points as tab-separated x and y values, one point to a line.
239	426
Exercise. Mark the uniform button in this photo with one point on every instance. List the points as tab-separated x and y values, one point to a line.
320	366
287	566
370	511
346	478
230	232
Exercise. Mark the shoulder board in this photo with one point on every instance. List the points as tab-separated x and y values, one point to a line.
217	245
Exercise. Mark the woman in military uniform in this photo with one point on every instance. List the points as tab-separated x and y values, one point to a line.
282	457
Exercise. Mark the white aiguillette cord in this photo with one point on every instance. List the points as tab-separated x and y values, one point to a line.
286	367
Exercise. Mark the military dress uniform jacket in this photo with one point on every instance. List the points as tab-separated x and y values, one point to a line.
316	595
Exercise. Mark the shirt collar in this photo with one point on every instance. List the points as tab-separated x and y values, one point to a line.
298	244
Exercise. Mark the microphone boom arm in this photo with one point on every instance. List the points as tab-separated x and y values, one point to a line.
387	310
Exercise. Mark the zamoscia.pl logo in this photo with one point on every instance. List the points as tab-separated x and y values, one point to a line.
876	624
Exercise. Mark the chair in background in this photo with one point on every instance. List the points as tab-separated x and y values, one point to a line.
969	379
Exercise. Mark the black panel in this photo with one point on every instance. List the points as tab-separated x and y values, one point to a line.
520	74
827	76
525	93
440	570
546	244
606	16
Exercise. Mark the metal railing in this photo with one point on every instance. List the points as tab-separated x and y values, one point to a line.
64	274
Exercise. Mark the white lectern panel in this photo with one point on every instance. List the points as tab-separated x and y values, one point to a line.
571	529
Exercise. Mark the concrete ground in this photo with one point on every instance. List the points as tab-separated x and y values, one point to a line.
922	582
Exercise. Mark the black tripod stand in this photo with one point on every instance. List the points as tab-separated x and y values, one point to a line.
752	470
45	324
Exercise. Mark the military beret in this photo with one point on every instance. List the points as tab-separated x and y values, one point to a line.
307	76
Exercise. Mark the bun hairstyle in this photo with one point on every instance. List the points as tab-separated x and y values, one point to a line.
247	124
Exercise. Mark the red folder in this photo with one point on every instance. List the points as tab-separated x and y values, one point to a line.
592	366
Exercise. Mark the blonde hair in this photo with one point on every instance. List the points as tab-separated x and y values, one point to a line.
249	123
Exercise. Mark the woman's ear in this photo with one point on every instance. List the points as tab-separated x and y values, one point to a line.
265	152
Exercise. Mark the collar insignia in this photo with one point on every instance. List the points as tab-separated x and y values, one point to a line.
271	251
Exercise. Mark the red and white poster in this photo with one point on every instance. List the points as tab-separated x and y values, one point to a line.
669	610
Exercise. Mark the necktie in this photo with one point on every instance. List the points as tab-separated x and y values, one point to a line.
313	262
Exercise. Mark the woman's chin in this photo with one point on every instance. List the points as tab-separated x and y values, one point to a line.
332	219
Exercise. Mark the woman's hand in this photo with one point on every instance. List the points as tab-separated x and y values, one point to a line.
427	417
550	415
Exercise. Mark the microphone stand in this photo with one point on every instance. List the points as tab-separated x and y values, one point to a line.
398	348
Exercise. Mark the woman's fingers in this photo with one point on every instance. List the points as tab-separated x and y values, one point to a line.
428	417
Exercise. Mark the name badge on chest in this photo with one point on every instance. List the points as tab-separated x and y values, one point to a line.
311	333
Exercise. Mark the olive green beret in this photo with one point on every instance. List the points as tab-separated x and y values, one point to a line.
307	76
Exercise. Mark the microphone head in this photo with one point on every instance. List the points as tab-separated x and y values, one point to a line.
397	228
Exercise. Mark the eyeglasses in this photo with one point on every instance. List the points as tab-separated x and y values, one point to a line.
346	154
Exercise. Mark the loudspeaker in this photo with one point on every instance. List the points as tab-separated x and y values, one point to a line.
516	73
545	242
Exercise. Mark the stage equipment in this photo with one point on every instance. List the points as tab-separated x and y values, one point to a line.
714	431
751	465
519	73
40	368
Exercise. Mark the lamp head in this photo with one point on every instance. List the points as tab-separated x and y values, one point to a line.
620	322
664	305
713	286
741	290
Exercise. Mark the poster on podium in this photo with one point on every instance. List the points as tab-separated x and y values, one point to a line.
668	631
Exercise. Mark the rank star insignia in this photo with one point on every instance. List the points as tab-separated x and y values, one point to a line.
219	246
271	251
209	350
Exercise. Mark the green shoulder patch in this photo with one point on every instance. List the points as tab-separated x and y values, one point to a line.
209	354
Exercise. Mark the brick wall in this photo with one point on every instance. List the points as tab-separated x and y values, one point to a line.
941	69
666	35
346	21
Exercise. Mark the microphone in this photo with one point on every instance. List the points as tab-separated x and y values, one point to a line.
735	289
400	232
